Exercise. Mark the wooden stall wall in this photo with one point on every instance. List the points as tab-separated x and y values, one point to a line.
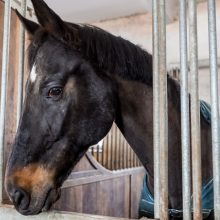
92	189
10	128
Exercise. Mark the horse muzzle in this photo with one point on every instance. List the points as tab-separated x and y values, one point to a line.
31	188
30	204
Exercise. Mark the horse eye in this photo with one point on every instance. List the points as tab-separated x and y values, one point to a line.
54	92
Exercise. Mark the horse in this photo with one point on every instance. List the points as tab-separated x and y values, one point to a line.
82	79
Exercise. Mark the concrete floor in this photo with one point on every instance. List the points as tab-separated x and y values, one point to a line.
138	29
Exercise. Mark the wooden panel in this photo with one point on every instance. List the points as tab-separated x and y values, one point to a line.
70	200
136	187
90	199
10	127
117	197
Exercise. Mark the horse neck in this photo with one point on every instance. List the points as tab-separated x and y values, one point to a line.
134	117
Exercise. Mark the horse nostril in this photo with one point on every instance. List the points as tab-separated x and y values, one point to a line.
20	199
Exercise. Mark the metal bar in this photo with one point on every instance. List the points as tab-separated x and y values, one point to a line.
102	153
116	148
215	105
21	63
105	152
121	155
109	149
97	154
92	151
156	110
112	147
126	155
5	61
186	168
195	112
130	155
124	152
163	113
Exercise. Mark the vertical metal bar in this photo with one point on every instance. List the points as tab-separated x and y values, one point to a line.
116	147
97	155
21	62
156	107
121	155
123	152
215	105
105	151
163	113
5	61
129	166
112	147
117	150
186	174
102	153
195	112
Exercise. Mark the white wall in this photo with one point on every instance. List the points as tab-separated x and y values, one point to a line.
138	29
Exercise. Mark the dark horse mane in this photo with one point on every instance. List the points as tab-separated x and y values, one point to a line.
111	53
116	55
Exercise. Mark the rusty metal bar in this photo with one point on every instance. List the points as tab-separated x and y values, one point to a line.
5	62
195	113
186	168
21	63
215	105
156	110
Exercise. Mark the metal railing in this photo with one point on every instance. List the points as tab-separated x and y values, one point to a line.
160	142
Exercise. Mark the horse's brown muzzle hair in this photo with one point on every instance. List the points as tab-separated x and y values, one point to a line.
31	189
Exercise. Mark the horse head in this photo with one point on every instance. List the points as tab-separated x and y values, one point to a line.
69	105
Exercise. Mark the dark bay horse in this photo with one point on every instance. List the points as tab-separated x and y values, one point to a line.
81	80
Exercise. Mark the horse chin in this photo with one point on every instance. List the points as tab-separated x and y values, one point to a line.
41	204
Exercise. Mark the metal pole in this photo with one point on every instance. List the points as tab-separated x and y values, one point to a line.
215	105
156	110
195	113
163	113
186	178
5	61
21	62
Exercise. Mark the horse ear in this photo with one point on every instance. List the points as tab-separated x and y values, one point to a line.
30	26
47	17
52	23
